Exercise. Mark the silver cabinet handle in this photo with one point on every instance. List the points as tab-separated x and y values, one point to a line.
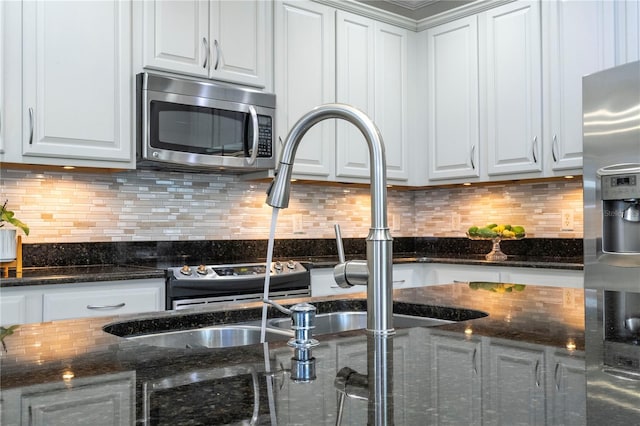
217	46
536	371
207	52
256	136
106	307
534	147
399	281
473	361
554	145
31	124
473	155
556	377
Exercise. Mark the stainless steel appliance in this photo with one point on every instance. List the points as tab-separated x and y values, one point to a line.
611	179
190	286
193	125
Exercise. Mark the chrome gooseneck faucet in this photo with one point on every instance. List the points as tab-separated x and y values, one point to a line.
379	241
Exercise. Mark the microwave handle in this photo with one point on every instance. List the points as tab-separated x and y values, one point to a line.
256	131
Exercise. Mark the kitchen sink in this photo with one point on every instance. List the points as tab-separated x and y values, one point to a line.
336	322
221	336
223	329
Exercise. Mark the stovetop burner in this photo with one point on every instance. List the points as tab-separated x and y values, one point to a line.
204	284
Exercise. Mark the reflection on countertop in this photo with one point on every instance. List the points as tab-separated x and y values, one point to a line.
529	339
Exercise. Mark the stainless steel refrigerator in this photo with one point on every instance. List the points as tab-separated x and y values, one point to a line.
611	179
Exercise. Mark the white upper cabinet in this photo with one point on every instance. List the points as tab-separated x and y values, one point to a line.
77	84
223	40
452	101
372	76
627	31
176	36
2	76
305	78
510	68
578	40
391	83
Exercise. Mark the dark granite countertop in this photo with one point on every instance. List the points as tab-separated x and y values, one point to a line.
93	262
97	273
62	356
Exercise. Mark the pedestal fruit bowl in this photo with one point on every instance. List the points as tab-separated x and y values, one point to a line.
496	233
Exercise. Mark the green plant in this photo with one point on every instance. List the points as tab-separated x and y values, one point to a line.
9	216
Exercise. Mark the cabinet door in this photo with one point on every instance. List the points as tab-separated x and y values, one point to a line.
20	305
627	31
567	394
391	97
77	82
372	76
569	26
456	382
176	36
511	74
452	105
240	41
110	299
305	78
355	44
107	401
3	35
515	390
355	354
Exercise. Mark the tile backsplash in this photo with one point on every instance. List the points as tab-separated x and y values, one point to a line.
142	205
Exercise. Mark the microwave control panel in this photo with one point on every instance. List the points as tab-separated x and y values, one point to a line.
265	136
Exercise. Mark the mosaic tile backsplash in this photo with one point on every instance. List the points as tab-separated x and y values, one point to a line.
141	205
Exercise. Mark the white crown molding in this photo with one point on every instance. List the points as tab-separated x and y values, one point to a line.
459	12
412	4
372	12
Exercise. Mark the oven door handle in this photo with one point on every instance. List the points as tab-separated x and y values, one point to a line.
256	135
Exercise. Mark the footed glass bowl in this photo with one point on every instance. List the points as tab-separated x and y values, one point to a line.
496	254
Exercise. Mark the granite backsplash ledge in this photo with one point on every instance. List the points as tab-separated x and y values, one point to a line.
163	254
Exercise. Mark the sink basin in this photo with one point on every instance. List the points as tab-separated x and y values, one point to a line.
336	322
223	336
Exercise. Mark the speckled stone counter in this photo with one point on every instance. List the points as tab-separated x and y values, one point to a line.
502	368
88	262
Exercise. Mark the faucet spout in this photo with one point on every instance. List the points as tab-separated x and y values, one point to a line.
379	241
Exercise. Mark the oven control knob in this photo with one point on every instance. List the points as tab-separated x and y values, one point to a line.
291	264
202	270
277	266
185	270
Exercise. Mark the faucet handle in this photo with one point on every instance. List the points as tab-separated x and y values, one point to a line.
341	257
353	272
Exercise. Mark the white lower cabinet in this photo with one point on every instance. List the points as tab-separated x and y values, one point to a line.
110	298
456	401
20	305
566	402
405	275
102	400
448	273
515	387
478	380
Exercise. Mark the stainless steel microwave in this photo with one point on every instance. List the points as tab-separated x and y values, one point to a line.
194	125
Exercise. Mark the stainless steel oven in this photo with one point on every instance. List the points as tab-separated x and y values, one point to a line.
190	286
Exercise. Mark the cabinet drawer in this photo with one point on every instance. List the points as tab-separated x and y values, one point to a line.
78	304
